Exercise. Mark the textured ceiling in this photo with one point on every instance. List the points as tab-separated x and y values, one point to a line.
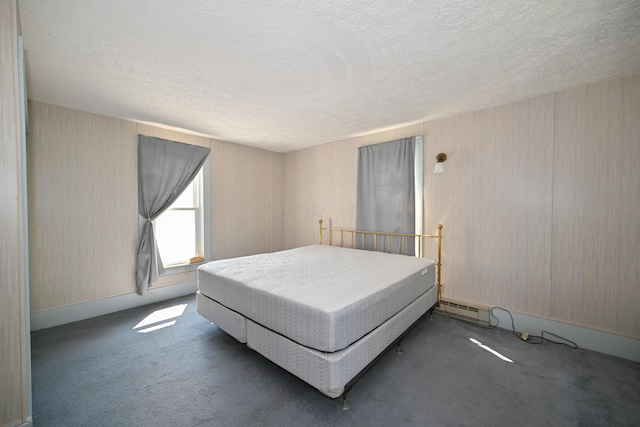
289	74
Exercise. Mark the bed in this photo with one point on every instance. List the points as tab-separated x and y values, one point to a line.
324	312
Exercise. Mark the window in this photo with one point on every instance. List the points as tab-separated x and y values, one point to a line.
179	230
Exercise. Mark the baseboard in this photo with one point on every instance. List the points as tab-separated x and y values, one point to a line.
591	339
21	423
72	313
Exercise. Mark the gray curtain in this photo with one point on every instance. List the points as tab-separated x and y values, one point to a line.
386	197
165	169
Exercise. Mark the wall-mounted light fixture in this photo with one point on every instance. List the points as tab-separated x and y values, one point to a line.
440	163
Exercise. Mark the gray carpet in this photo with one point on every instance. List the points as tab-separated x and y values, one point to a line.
102	372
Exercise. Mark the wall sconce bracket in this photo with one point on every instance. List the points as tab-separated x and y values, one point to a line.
439	164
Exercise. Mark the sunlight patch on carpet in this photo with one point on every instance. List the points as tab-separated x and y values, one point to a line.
159	316
506	359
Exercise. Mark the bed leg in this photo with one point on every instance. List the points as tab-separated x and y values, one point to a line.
398	348
344	405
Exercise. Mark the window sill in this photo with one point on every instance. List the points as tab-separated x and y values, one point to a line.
183	268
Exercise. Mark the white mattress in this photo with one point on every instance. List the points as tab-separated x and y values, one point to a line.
322	297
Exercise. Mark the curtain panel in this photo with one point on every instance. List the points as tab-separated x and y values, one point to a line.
165	169
386	199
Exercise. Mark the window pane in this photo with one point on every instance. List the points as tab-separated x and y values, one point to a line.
186	198
175	234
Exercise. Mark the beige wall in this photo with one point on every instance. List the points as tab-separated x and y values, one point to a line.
246	200
494	201
82	206
596	206
83	202
15	389
320	183
539	202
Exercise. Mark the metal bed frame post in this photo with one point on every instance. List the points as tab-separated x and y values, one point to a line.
439	263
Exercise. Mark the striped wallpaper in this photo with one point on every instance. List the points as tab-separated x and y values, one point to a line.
15	386
494	200
84	209
596	209
82	206
539	201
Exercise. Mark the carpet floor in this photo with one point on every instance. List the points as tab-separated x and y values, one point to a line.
114	370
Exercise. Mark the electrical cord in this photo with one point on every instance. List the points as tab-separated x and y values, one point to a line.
535	339
529	339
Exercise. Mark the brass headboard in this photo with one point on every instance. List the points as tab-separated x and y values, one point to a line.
420	238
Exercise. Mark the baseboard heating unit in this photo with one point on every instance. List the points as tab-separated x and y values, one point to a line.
475	313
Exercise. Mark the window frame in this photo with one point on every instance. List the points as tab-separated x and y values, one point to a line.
204	225
195	206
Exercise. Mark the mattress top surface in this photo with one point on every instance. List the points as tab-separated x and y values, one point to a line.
321	296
